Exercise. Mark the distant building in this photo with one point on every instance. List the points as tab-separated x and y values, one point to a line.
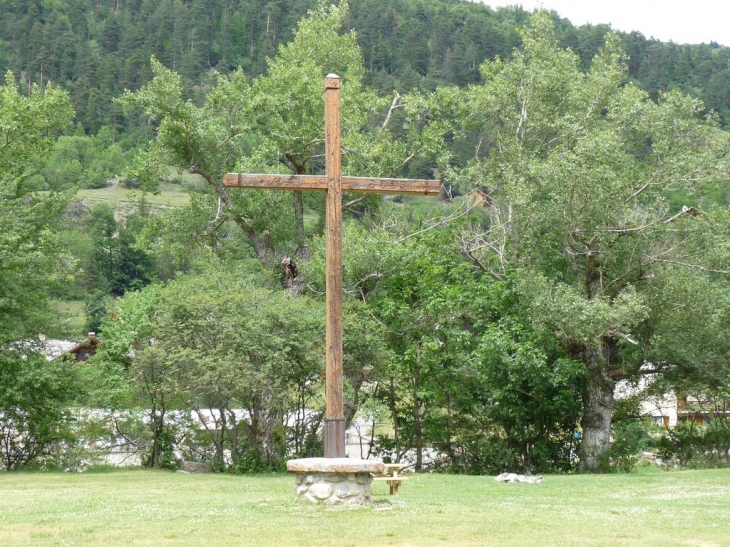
479	198
83	350
65	349
671	409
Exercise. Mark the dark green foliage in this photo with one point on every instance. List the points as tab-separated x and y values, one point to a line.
96	303
105	255
161	453
216	342
630	439
517	403
697	446
96	50
467	374
252	458
453	356
682	443
34	399
482	453
84	162
116	265
527	387
34	394
30	261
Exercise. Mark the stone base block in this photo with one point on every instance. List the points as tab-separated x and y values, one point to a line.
334	481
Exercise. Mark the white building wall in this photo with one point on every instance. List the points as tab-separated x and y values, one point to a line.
661	408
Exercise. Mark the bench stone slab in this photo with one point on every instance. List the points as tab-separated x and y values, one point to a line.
334	481
334	465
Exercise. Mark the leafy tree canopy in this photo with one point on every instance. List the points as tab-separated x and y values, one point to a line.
29	261
580	167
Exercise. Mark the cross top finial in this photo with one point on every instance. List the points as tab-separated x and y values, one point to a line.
332	81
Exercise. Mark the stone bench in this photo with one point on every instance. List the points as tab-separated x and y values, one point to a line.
333	481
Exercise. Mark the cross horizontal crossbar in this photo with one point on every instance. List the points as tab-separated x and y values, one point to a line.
377	185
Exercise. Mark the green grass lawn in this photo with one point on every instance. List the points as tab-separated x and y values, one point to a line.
73	319
170	196
681	508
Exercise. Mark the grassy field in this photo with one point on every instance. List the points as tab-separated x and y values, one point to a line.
73	318
139	507
170	196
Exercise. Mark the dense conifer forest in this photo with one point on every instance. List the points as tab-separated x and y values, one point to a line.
95	49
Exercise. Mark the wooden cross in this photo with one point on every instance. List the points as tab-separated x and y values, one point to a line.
334	184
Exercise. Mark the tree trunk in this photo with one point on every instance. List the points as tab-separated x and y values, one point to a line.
155	460
233	429
394	414
253	429
298	169
271	442
220	453
598	406
356	379
299	216
449	447
157	421
417	425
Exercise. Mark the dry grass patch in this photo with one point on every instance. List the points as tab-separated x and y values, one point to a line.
119	197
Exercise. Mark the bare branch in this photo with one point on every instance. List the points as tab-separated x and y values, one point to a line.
9	141
353	202
460	212
482	267
643	370
635	229
692	211
318	293
384	325
624	336
374	275
476	151
523	119
393	106
688	265
640	190
405	161
360	284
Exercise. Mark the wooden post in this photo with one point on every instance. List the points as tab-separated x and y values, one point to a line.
334	429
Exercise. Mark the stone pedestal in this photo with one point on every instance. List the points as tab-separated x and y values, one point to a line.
334	481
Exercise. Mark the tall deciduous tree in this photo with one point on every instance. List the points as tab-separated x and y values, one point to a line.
34	406
33	393
29	260
420	303
579	166
215	343
274	124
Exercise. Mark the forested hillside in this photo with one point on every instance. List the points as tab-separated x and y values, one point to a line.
96	49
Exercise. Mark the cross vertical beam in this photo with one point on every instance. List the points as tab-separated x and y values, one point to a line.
334	423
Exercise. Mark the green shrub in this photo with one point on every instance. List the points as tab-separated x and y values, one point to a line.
630	439
695	446
485	455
